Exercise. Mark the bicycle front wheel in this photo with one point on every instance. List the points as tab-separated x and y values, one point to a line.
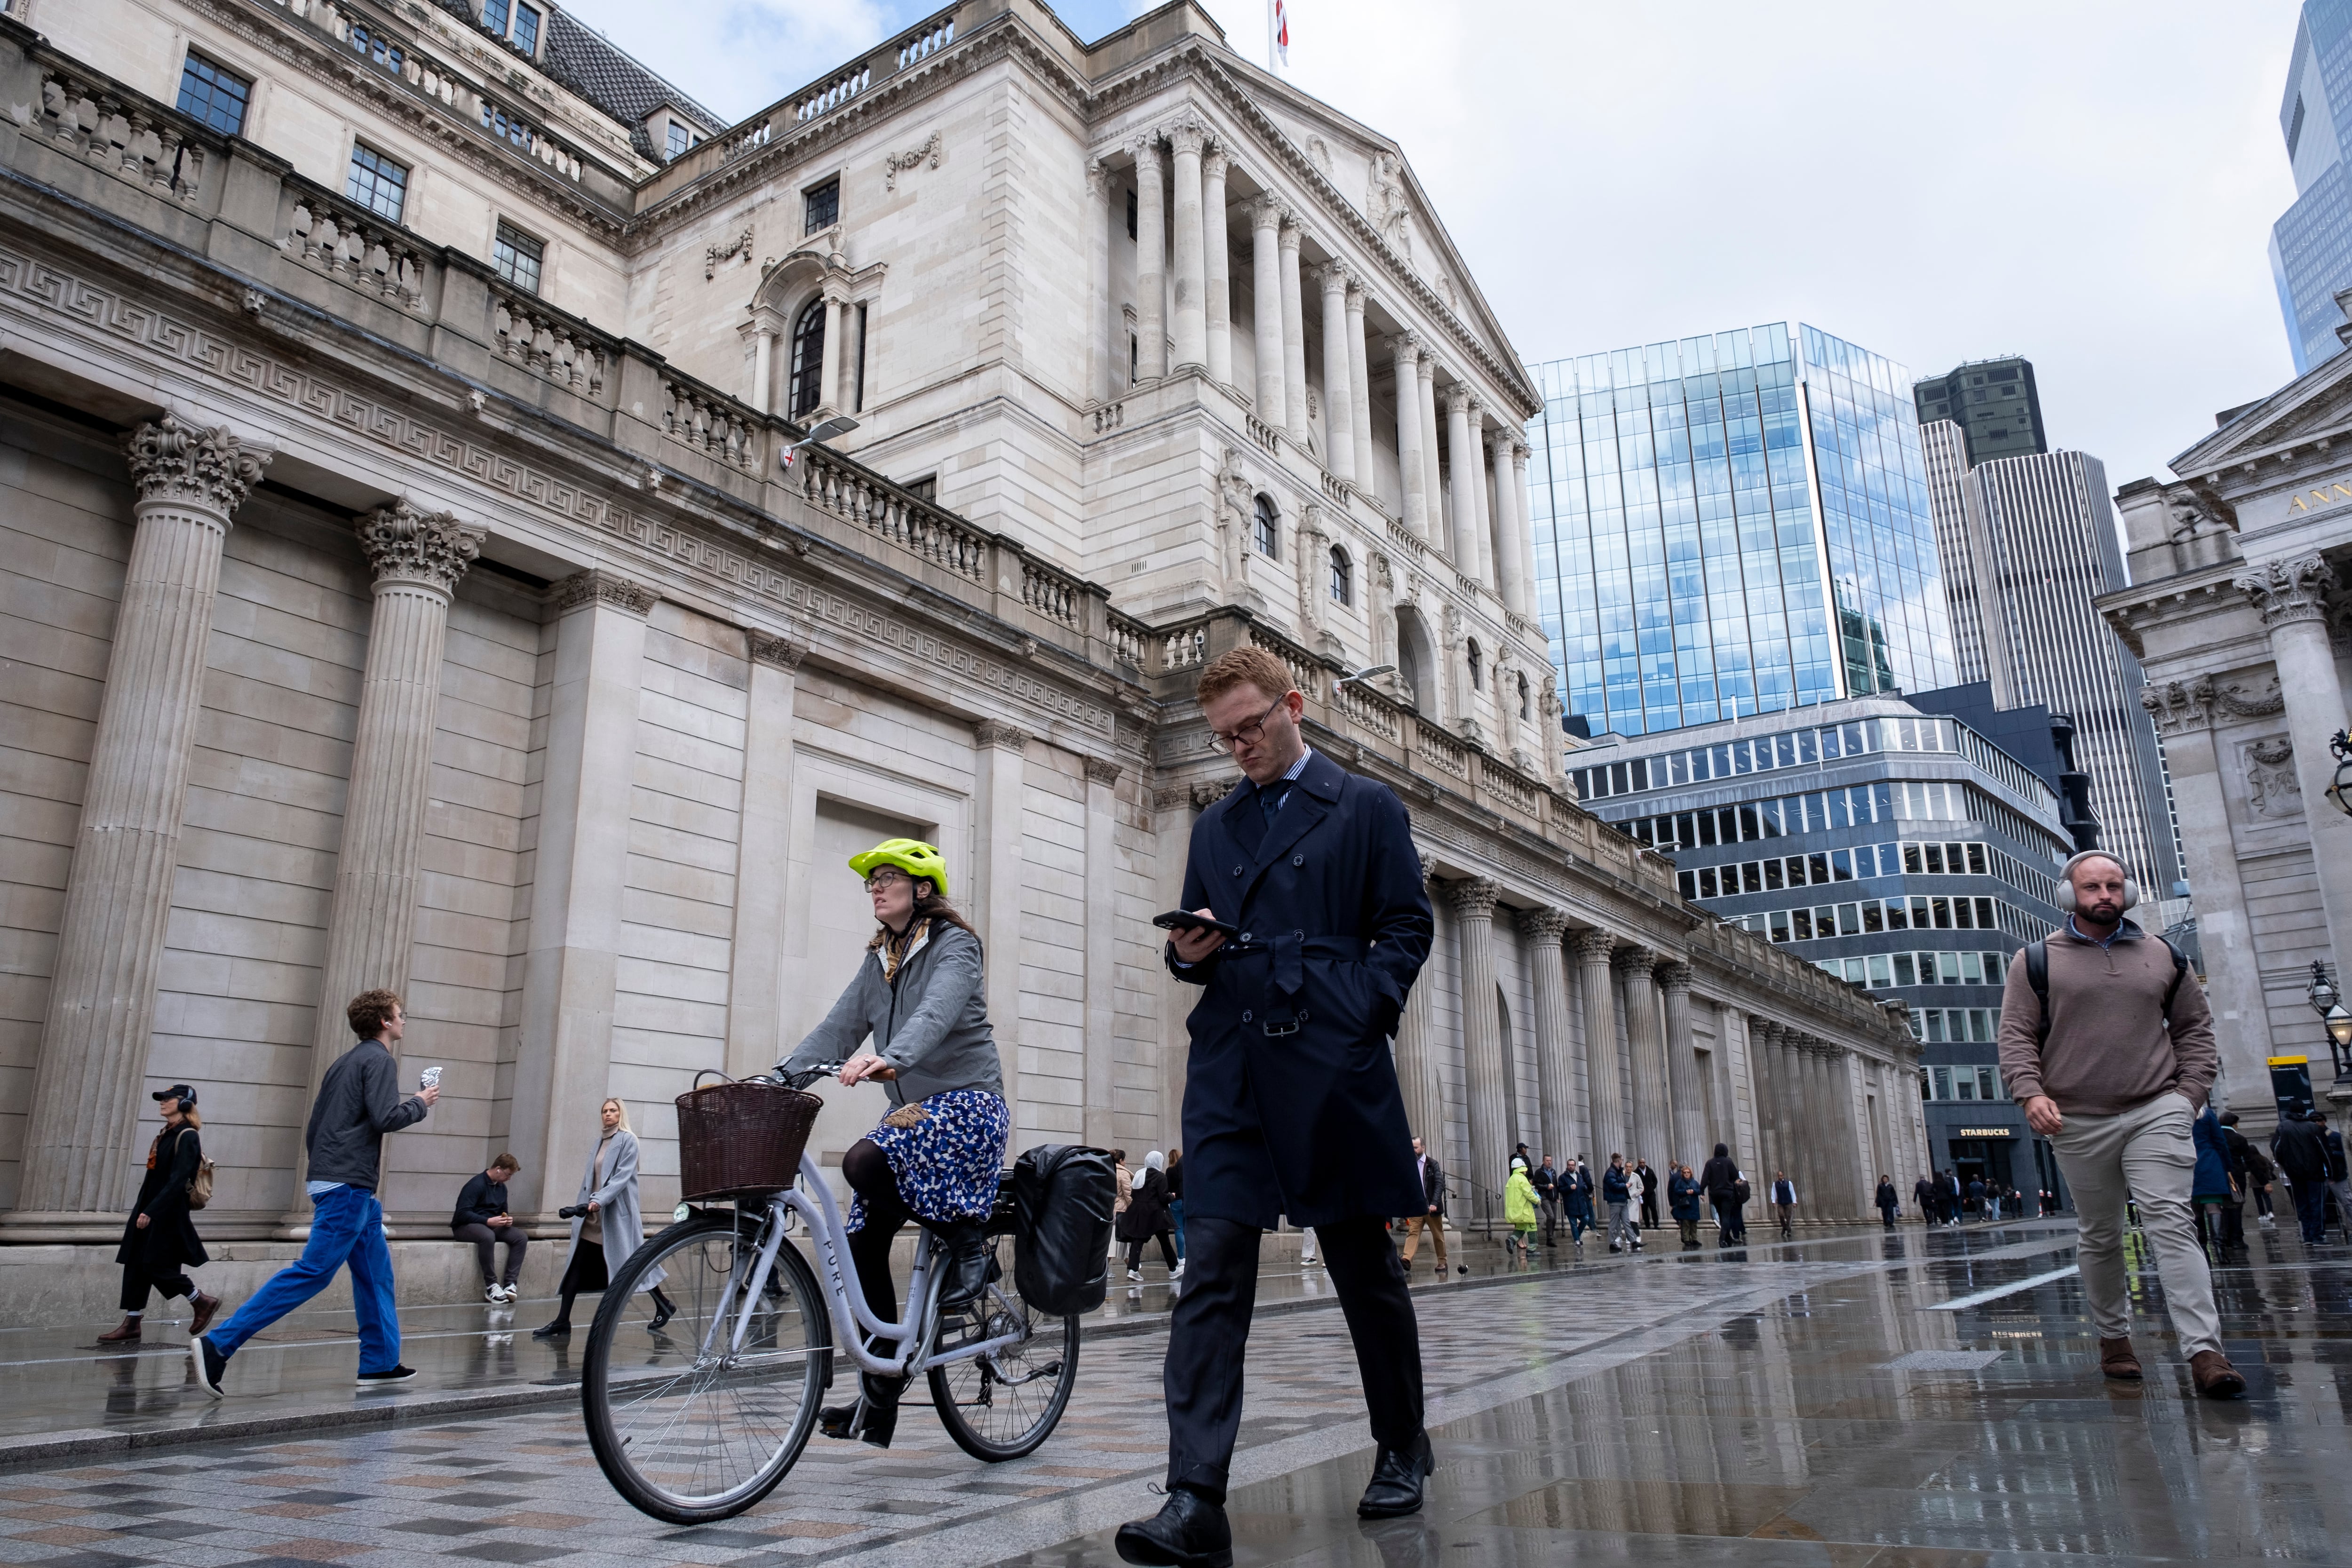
688	1423
1004	1405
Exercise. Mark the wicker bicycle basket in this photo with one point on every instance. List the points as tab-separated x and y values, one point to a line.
741	1140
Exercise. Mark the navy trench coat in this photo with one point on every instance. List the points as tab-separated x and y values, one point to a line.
1291	1104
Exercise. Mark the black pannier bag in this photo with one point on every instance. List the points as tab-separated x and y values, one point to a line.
1061	1247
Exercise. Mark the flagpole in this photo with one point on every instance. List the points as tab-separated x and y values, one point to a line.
1269	34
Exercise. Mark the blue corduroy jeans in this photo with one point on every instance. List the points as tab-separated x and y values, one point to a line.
346	1228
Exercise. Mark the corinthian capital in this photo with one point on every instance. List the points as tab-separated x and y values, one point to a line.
2177	705
1457	399
1674	975
1593	945
991	734
1265	212
1474	898
1635	962
1407	350
1543	925
1187	136
195	467
2288	591
779	653
404	545
602	588
1213	163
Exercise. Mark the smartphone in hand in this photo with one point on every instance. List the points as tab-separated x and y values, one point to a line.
1185	919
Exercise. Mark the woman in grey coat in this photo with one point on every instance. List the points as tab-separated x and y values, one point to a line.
604	1223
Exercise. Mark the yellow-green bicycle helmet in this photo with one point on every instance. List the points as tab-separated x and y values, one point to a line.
911	855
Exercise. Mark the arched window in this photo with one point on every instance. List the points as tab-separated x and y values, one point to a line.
806	388
1525	710
1343	578
1478	672
1266	527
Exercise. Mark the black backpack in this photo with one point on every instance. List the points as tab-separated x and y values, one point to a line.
2037	975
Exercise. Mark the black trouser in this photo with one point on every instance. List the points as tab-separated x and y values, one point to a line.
1210	1335
485	1239
2234	1222
1886	1213
1167	1251
137	1281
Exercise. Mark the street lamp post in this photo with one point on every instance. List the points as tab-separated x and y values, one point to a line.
2327	1001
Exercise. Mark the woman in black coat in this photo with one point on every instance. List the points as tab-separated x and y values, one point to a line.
159	1240
1146	1216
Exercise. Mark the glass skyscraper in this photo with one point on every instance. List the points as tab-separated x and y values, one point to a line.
1733	525
2311	243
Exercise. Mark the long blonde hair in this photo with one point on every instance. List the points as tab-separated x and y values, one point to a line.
616	1099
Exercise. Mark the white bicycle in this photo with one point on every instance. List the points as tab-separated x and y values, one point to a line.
700	1418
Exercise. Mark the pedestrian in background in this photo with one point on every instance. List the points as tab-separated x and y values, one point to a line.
160	1242
1433	1216
605	1225
1887	1200
1923	1194
1176	1203
1949	1196
2211	1189
1146	1218
1126	1192
1616	1195
1976	1197
2107	1044
359	1101
1576	1197
2300	1146
2260	1174
1546	1181
1520	1213
1721	1178
2336	1168
1784	1199
481	1218
1682	1202
1646	1189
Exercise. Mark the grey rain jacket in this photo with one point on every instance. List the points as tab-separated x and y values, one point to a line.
931	1023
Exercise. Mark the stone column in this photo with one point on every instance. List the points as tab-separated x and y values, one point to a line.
1482	521
2292	598
1688	1116
1763	1071
755	1001
1265	274
1191	277
1555	1072
763	361
1425	1106
1101	947
1102	384
1846	1188
1463	546
1338	392
1218	260
1605	1096
836	346
563	1061
1000	750
1151	261
1788	1099
1433	495
1294	334
1407	350
1523	530
416	559
1482	1041
1360	392
1511	527
1653	1130
85	1104
1818	1128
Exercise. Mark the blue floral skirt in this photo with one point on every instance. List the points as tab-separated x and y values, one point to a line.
946	1154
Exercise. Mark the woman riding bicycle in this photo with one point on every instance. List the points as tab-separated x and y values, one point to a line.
936	1158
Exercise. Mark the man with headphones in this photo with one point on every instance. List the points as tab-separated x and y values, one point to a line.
2108	1044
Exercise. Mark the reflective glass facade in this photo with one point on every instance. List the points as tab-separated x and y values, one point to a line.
1733	525
2311	243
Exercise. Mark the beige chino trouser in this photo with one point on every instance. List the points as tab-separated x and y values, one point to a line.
2144	1153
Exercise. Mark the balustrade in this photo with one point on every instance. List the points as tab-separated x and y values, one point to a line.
1442	751
1304	668
1052	594
540	339
1130	639
835	93
1264	435
928	37
939	538
709	424
121	132
336	238
750	139
1368	709
1506	785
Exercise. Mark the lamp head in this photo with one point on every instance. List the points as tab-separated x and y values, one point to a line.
1366	673
2339	1025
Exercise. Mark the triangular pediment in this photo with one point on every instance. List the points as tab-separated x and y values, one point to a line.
2312	408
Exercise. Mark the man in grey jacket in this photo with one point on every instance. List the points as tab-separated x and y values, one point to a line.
358	1103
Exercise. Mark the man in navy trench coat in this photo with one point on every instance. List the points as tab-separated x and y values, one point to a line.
1291	1104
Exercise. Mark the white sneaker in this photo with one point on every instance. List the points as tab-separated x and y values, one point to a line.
1135	1274
493	1295
1179	1271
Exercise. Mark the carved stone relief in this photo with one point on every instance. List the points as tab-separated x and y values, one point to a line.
2272	788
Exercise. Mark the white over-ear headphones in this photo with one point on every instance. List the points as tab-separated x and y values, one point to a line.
2066	879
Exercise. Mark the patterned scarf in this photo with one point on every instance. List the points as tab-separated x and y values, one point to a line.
896	948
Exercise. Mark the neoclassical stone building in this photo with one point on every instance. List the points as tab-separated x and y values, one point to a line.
2241	606
404	583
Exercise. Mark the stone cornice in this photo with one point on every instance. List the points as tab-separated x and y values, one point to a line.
429	548
600	587
211	469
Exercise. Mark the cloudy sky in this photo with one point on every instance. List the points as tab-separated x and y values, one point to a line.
2088	183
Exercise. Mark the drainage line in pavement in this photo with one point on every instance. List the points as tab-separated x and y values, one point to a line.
1998	1291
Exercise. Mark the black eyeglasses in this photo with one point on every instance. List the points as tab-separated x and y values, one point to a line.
1249	734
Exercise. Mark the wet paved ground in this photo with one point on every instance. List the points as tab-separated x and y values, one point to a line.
1795	1405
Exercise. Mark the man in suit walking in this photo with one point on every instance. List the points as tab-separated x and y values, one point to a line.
1433	1188
1291	1102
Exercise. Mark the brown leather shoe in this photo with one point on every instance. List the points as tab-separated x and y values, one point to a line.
2116	1359
2215	1377
206	1306
125	1333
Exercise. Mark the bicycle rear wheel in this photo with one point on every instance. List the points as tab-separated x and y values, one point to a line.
687	1426
1002	1405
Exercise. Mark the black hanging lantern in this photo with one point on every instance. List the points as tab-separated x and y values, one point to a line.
2340	791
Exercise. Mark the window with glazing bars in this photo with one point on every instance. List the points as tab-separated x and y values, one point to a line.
214	94
526	29
805	383
820	206
377	182
517	256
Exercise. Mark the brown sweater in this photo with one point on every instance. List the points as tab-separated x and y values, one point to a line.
2108	1048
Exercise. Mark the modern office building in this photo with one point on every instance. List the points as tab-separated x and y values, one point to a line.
1900	851
2311	243
2028	543
1995	405
1732	525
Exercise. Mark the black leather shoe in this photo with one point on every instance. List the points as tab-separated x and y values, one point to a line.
1189	1531
556	1330
968	1260
1397	1475
873	1419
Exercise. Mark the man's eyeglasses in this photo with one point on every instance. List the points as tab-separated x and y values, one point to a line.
1249	734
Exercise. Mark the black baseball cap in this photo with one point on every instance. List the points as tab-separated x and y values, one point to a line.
179	1092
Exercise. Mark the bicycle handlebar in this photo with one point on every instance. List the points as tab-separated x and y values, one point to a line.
808	1075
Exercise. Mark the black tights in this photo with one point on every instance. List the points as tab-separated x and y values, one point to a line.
868	1171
